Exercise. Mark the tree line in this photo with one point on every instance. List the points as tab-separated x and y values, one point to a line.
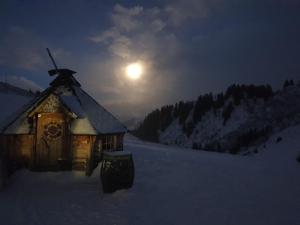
189	113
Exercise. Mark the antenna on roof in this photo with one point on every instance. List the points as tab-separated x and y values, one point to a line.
56	71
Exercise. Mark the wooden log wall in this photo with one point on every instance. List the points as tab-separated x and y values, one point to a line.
81	146
21	149
18	148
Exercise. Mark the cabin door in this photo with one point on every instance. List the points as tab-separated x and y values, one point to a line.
51	141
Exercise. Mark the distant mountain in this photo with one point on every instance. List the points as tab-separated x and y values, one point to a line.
235	121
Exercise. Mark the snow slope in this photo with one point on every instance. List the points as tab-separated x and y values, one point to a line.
172	186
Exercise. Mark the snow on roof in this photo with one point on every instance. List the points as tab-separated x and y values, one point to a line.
91	117
17	122
102	121
82	126
73	105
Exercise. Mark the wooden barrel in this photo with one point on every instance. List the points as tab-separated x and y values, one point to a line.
117	171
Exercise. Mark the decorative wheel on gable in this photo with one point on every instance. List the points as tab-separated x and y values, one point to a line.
52	130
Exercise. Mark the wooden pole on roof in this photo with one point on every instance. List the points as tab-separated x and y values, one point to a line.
55	71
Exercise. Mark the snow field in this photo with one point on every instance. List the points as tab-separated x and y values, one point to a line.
172	186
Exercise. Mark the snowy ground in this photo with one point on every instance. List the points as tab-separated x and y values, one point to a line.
172	186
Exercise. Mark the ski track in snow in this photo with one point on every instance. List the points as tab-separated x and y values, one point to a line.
172	186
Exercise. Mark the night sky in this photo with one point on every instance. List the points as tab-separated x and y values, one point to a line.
186	47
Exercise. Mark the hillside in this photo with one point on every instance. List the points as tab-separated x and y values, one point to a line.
239	120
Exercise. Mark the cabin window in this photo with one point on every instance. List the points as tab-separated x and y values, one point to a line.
108	142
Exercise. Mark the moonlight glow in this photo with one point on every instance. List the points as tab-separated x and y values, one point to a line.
134	71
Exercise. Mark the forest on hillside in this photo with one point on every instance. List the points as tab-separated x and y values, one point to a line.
190	113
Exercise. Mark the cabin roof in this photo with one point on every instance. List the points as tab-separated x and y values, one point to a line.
90	117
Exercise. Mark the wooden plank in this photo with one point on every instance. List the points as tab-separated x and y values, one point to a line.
51	140
80	146
120	138
18	148
80	151
91	155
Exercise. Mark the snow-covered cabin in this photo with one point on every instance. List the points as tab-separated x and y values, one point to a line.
62	128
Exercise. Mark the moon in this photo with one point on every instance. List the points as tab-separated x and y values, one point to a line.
134	71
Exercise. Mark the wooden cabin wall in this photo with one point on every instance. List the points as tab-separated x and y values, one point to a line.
117	143
85	149
19	148
81	146
23	150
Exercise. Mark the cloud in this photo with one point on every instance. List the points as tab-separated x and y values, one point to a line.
136	34
190	47
187	47
124	17
106	35
157	25
121	46
134	11
130	20
180	11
